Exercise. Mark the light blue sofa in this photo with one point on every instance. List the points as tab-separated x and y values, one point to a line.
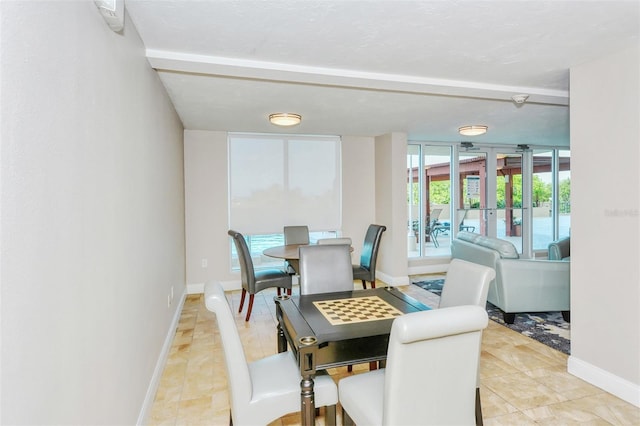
521	285
560	249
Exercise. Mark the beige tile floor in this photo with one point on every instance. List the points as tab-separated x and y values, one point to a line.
523	382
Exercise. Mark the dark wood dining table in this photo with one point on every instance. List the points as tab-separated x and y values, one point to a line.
321	341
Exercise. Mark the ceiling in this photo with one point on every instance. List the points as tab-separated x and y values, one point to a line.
366	68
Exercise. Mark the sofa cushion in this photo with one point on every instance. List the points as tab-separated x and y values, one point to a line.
506	249
467	236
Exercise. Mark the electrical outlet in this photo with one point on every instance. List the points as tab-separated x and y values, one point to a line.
205	263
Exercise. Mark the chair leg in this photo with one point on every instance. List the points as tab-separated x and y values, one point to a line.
364	284
373	284
279	291
373	365
566	315
250	307
244	293
478	409
330	415
289	292
349	368
346	420
509	318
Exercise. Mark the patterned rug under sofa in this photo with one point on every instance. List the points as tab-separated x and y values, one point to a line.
546	327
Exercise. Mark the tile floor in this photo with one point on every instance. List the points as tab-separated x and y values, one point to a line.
523	382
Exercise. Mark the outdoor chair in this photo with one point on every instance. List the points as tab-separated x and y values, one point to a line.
467	283
366	270
266	389
411	392
252	281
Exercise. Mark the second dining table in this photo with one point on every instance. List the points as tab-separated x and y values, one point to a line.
288	252
329	330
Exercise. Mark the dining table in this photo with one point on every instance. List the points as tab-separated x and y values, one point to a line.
328	330
287	252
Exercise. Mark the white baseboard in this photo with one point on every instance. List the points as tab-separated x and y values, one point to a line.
143	417
198	288
439	268
603	379
392	281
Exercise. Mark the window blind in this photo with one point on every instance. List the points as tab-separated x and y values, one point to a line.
278	180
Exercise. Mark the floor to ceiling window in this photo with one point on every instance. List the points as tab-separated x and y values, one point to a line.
450	189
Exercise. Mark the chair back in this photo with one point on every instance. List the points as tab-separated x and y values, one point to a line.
369	254
432	363
325	268
238	376
341	240
296	234
466	283
247	273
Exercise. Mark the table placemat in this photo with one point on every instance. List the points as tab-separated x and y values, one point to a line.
356	309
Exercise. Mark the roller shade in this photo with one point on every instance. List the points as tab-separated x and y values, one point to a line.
278	180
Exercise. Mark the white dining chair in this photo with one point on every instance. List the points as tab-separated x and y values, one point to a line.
269	388
430	375
338	240
467	283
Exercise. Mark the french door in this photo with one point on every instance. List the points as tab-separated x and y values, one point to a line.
484	190
491	194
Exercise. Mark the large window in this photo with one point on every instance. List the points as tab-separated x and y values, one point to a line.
278	180
508	192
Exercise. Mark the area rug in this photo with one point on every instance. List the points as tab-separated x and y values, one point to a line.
545	327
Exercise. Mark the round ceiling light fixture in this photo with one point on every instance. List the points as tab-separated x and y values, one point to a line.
474	130
285	119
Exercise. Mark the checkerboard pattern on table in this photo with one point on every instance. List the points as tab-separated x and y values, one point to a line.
356	309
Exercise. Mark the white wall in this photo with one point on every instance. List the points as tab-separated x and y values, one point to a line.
207	220
605	204
92	218
206	204
391	207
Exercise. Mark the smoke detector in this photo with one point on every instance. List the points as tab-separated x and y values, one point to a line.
520	99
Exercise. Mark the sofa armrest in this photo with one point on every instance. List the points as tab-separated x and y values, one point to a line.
560	249
533	285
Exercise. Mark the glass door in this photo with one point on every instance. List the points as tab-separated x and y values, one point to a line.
510	215
509	192
490	203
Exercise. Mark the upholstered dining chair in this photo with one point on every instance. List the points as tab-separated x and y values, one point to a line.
295	234
366	270
338	240
467	283
407	391
255	281
266	389
325	268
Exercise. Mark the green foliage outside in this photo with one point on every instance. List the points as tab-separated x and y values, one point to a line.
440	193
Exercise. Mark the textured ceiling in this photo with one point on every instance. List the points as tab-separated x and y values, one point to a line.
424	68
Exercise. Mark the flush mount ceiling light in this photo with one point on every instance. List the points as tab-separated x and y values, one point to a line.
472	130
285	119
